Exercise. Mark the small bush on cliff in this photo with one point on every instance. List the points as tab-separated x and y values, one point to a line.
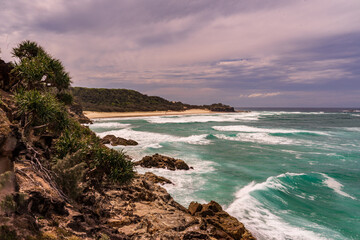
69	175
65	98
113	164
41	111
37	69
80	153
73	138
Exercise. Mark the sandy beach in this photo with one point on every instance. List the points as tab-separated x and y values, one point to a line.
92	115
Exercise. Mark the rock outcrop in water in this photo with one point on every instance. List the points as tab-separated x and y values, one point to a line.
116	141
160	161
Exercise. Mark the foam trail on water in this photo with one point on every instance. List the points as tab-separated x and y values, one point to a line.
262	222
244	128
109	125
262	138
233	117
335	185
290	113
352	129
185	182
150	139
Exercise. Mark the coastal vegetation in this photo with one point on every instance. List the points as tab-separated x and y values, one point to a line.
125	100
39	85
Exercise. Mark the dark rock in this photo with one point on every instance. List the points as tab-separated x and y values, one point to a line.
160	161
195	235
5	69
115	141
38	203
213	214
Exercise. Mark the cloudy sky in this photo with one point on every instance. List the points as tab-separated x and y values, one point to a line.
271	53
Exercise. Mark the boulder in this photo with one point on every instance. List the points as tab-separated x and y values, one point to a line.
115	141
160	161
213	214
194	207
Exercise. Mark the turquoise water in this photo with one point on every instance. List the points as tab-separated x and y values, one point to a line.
285	175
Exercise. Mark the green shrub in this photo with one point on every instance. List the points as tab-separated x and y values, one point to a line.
114	164
8	205
73	138
69	174
65	98
78	152
41	110
31	72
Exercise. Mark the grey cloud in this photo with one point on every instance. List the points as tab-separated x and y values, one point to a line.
224	47
109	14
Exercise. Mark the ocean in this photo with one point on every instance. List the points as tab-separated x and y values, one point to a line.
284	173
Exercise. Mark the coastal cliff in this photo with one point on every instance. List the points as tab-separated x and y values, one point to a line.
59	181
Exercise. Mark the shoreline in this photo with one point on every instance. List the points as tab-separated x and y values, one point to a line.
96	115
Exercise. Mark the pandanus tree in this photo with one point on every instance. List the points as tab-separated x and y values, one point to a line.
38	78
37	69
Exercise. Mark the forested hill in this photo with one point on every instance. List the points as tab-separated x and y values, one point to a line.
125	100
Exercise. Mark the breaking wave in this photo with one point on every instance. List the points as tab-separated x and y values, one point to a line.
233	117
262	138
153	140
335	185
244	128
265	223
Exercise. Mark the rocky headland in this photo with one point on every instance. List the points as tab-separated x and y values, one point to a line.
59	181
116	141
126	100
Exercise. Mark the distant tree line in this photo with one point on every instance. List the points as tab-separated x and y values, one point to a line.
125	100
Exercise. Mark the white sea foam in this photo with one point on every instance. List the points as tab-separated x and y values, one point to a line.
262	222
352	129
114	125
335	185
262	138
232	117
289	113
150	139
185	183
244	128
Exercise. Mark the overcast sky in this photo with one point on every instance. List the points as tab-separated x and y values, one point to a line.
271	53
